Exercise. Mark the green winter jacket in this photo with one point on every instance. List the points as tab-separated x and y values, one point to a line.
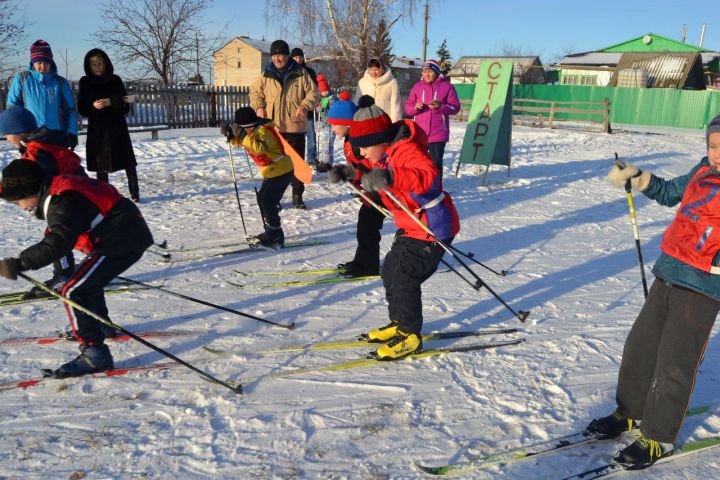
669	193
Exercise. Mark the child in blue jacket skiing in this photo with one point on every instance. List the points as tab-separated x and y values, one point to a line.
666	344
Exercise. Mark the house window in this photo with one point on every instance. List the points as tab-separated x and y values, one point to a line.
589	80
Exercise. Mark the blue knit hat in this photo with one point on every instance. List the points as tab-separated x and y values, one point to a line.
17	120
432	65
713	127
342	110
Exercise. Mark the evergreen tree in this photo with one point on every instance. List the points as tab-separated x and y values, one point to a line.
444	57
381	45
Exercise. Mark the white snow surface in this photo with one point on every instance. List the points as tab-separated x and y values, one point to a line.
555	223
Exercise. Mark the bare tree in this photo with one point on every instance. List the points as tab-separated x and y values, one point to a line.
159	38
348	25
12	33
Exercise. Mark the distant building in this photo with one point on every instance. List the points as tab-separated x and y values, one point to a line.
525	69
241	60
653	59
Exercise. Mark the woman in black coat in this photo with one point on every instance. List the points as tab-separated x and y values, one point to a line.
102	99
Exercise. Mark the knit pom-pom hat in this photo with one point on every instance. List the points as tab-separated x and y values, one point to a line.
713	127
371	125
40	52
342	110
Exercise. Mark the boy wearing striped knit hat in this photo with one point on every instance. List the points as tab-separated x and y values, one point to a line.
404	172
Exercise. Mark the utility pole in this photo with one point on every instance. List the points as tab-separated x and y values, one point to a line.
425	39
197	58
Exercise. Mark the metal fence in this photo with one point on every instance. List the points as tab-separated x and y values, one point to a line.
178	107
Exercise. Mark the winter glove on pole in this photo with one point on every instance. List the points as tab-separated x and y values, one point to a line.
238	131
622	172
10	267
376	179
226	131
341	173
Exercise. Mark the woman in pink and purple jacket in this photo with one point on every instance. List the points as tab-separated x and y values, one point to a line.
431	101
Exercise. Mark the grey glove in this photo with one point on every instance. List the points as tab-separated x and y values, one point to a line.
376	179
9	268
621	172
226	131
341	173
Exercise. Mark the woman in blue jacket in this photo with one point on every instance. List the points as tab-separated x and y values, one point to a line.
45	93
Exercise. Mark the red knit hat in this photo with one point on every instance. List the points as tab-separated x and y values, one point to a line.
40	52
322	83
371	125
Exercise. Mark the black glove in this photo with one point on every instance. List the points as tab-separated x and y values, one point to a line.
9	268
226	131
376	179
72	141
341	173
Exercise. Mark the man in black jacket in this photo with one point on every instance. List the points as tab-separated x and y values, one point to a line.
94	218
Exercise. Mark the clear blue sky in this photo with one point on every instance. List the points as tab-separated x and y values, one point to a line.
471	27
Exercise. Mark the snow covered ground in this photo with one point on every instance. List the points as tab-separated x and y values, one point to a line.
555	223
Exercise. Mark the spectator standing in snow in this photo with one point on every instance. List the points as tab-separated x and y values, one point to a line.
431	101
47	148
402	167
285	93
370	220
102	99
298	55
379	82
260	140
667	342
45	93
92	216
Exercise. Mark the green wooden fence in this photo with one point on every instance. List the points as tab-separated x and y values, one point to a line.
664	107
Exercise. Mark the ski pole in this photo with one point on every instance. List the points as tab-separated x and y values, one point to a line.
237	193
521	315
633	221
379	208
207	304
471	256
236	389
257	194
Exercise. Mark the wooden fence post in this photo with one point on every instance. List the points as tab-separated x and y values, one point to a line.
606	125
552	114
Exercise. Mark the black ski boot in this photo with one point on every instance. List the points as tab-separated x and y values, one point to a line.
356	270
92	359
642	453
272	237
609	427
298	202
57	282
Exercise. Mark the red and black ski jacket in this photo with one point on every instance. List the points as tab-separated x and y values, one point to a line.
49	149
89	215
361	165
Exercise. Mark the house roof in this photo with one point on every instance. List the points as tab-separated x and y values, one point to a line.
680	46
611	59
468	66
264	46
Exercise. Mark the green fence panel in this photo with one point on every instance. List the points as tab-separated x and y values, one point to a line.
664	107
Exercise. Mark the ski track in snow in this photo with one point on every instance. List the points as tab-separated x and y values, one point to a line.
555	224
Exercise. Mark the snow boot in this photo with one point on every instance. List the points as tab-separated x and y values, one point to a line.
297	201
323	167
401	345
356	270
642	453
92	359
609	427
382	334
346	265
272	237
57	282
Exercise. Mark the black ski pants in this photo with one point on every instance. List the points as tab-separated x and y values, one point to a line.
661	358
407	265
86	288
369	224
436	150
269	196
297	141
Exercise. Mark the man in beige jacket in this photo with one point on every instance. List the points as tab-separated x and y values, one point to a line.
285	93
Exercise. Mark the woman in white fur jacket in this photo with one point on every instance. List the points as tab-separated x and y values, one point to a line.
379	82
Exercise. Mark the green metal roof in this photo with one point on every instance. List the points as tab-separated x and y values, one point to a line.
652	42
